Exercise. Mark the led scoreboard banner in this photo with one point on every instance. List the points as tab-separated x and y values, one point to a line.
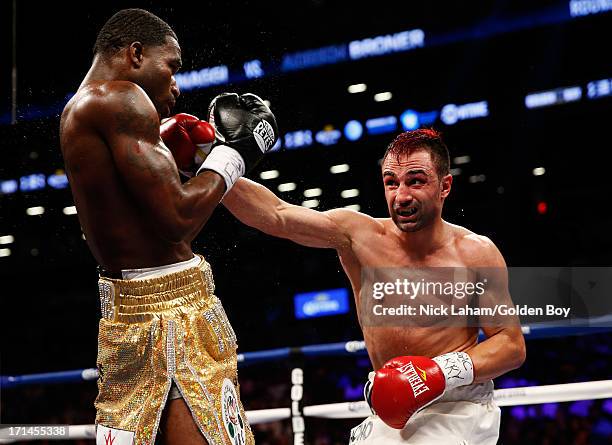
252	69
374	46
387	44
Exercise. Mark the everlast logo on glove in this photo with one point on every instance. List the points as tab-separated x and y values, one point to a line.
264	135
399	389
414	378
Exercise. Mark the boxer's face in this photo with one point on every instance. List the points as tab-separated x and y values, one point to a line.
414	192
155	74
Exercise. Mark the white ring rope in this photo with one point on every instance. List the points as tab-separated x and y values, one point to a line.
529	395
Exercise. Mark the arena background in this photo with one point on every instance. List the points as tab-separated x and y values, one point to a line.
531	172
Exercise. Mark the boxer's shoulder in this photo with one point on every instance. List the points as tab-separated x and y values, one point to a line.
476	250
112	105
357	228
355	221
110	89
109	96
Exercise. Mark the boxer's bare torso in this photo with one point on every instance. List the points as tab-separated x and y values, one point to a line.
415	239
118	228
131	204
415	236
377	243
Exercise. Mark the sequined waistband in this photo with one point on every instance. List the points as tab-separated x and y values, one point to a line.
137	301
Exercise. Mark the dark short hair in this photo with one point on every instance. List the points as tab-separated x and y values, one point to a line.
422	139
132	25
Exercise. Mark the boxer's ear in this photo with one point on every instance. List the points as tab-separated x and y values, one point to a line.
445	185
136	54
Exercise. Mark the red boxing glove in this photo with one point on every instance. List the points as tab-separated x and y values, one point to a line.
405	385
189	139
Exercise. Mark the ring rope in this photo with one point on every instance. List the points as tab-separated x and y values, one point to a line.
357	347
529	395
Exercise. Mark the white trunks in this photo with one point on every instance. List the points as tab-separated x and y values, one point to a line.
463	416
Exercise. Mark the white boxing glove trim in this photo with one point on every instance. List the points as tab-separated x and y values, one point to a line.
457	368
227	162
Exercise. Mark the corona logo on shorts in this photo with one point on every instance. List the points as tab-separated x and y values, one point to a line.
234	425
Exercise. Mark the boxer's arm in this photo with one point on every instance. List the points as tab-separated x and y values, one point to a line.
256	206
127	121
504	348
502	351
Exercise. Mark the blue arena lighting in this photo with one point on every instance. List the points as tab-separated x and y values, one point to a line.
314	57
57	181
451	113
386	44
380	125
298	139
321	303
428	117
328	137
253	69
599	88
580	8
8	187
353	130
29	183
553	97
205	77
409	120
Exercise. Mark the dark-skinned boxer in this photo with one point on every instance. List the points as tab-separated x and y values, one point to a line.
166	350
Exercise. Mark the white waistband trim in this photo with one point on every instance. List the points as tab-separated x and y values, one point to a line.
156	272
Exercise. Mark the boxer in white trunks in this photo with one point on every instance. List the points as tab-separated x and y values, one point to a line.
433	384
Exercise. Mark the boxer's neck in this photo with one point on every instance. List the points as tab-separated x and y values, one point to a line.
426	240
105	69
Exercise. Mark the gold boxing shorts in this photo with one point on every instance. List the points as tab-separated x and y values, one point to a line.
157	331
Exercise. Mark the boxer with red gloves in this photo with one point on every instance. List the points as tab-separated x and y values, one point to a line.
417	400
405	385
